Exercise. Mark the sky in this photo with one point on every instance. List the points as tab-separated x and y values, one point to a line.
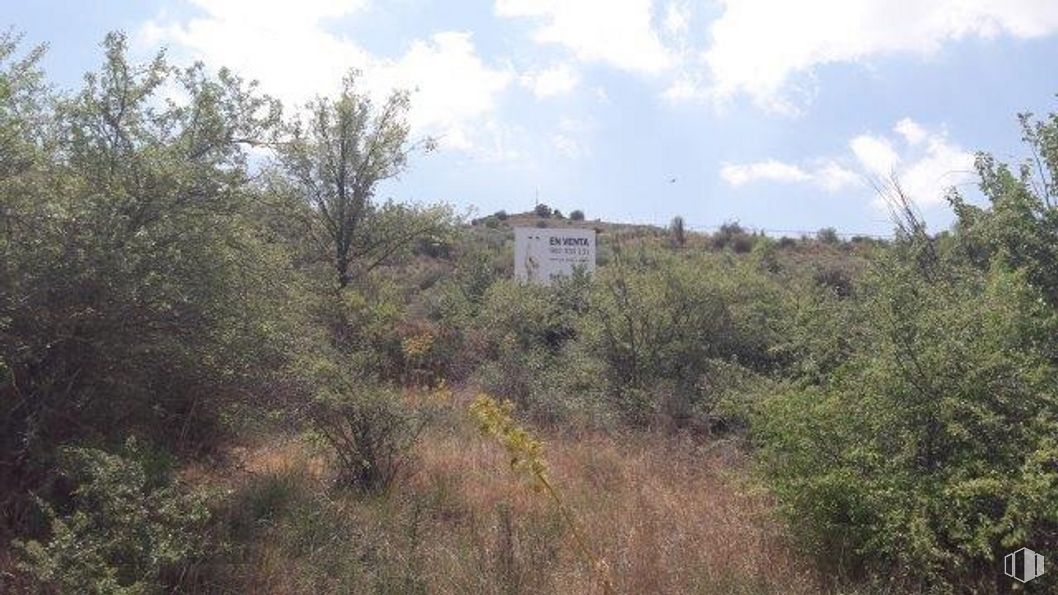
773	113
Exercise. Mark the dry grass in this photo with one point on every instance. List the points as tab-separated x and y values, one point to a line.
665	515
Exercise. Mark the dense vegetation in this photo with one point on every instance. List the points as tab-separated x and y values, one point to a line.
225	366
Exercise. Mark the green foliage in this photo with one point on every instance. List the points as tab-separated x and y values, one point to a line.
657	321
23	107
828	235
124	531
333	161
923	450
525	329
922	443
137	287
731	235
678	231
368	430
902	397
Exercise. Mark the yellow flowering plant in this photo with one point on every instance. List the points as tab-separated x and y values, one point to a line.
526	460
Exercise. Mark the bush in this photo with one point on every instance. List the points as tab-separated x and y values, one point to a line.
124	531
369	431
576	215
141	288
655	322
500	215
926	450
543	211
732	235
833	278
828	235
527	330
677	231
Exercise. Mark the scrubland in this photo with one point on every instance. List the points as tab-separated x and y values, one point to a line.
226	366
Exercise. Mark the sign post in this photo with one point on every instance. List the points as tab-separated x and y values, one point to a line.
541	254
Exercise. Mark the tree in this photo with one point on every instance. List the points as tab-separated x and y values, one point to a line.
135	289
543	211
679	233
828	235
335	158
576	215
929	446
21	106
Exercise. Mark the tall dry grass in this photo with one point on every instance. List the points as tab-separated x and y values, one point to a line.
663	513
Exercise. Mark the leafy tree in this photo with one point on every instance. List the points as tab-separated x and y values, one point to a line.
576	215
677	231
335	158
135	291
828	235
926	446
23	107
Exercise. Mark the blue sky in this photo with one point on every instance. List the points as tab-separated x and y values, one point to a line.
768	112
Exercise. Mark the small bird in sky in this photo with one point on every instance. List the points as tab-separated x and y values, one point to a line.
672	180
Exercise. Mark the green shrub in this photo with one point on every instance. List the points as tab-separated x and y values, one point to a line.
655	321
677	230
369	431
929	452
533	353
124	531
140	290
828	235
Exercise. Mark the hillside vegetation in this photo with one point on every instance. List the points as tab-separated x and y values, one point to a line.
227	367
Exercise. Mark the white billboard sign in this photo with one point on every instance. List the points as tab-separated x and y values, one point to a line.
541	254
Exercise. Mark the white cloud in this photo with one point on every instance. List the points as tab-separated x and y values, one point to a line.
452	87
762	48
677	18
830	175
549	82
615	32
925	162
569	140
567	146
772	170
942	165
834	177
875	154
910	130
685	87
281	44
295	57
